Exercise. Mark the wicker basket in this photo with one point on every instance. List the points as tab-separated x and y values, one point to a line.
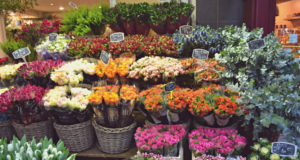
76	137
37	130
6	130
114	140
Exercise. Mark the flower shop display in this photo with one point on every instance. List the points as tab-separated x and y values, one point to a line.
155	69
213	141
22	106
262	151
113	105
75	72
8	74
27	150
69	107
160	139
38	72
55	50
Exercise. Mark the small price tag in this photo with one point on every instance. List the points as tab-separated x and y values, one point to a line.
105	57
256	44
200	54
170	87
20	53
284	149
52	36
293	38
186	29
117	37
73	5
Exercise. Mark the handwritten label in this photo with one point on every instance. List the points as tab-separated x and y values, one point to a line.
256	44
52	36
186	29
170	86
284	149
73	5
117	37
20	53
293	38
105	57
200	54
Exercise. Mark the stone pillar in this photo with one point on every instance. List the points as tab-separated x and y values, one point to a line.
2	34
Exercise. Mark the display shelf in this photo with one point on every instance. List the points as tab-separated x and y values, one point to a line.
94	152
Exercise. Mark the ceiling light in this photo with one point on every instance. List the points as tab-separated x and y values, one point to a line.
61	8
51	4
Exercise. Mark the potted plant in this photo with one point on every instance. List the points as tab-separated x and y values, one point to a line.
160	139
43	149
69	107
126	17
111	17
186	11
114	124
141	13
158	18
173	13
6	130
22	106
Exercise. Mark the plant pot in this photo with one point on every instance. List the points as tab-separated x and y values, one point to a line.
76	137
171	28
114	140
222	121
160	28
116	28
142	28
183	20
129	27
6	130
37	130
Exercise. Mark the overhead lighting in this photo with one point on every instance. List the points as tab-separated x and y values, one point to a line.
51	4
61	8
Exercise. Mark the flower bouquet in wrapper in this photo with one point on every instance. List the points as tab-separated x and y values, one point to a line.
209	71
159	139
75	72
113	105
38	72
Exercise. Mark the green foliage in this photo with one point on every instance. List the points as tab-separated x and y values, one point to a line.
16	5
83	20
43	150
141	12
126	11
265	79
158	14
10	46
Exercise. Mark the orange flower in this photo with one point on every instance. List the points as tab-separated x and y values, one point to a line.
128	92
111	69
111	98
96	97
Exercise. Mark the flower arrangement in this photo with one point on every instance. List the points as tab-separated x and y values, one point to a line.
159	45
209	70
215	141
49	26
22	104
53	49
73	72
8	73
178	102
159	139
67	104
113	105
44	149
156	68
3	60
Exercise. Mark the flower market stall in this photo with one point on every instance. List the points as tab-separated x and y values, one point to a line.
205	94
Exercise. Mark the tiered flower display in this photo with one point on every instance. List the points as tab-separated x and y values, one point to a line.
73	72
159	139
214	141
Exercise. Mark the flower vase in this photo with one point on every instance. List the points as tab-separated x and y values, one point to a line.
142	28
99	114
113	116
129	27
159	28
222	120
171	151
183	20
171	28
174	117
209	119
116	28
127	107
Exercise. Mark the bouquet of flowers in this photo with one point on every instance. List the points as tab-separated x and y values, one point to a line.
22	104
49	26
68	105
53	49
84	47
215	141
37	72
113	105
8	73
3	60
156	68
132	44
159	139
209	71
159	45
73	72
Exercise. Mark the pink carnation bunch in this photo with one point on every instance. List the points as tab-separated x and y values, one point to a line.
215	141
154	138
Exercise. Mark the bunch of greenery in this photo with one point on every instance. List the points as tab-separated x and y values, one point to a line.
16	5
125	11
83	20
45	149
11	45
266	81
157	14
141	12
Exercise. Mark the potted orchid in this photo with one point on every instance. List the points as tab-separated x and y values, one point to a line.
69	107
22	106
